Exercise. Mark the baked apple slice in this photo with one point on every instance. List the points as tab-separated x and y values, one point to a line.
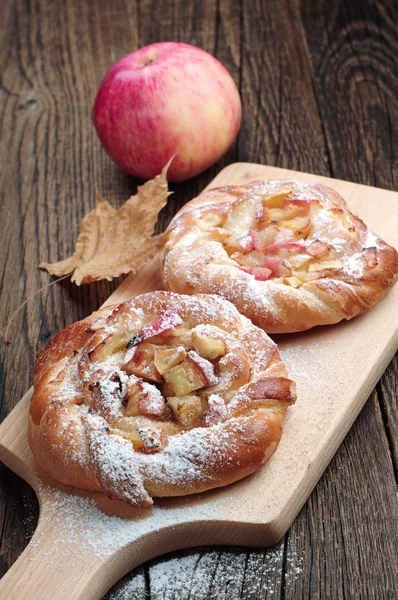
167	358
193	373
162	324
216	411
317	249
139	361
207	346
144	439
151	402
187	409
131	397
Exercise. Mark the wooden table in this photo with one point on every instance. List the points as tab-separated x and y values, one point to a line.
319	86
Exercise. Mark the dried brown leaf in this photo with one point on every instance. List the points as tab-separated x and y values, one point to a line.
113	242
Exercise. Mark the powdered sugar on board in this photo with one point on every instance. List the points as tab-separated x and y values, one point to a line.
81	523
308	363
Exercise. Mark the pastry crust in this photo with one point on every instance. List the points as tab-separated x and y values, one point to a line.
288	254
99	418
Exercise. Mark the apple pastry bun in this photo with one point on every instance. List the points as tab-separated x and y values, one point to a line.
288	254
163	395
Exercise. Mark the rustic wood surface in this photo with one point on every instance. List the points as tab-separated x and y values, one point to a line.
319	85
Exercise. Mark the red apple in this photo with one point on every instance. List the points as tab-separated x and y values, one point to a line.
165	99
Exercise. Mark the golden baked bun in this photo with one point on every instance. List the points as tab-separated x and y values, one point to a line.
288	254
163	395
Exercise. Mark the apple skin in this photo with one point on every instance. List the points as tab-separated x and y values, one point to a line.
167	99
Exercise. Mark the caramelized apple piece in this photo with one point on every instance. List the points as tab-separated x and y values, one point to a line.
293	281
247	243
288	247
370	257
243	243
145	399
327	264
218	234
151	402
261	273
209	220
110	345
298	260
192	374
344	219
167	358
300	225
302	205
203	366
253	259
163	323
276	200
146	440
272	262
215	413
267	236
241	216
184	378
304	276
208	347
277	214
318	248
187	409
261	215
139	361
275	388
131	397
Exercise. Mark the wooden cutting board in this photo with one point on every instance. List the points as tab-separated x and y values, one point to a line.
85	542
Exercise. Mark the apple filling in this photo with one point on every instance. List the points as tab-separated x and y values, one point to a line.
274	238
163	380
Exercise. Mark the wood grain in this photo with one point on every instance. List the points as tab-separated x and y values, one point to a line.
331	392
318	81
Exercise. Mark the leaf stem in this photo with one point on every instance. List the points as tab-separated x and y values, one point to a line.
6	340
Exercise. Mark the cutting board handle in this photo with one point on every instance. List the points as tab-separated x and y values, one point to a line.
42	571
48	569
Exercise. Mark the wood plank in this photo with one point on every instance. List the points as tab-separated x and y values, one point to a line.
352	50
90	38
281	122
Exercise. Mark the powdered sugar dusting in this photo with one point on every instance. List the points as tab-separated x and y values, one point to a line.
354	266
193	573
191	459
81	524
154	399
307	362
206	367
113	460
